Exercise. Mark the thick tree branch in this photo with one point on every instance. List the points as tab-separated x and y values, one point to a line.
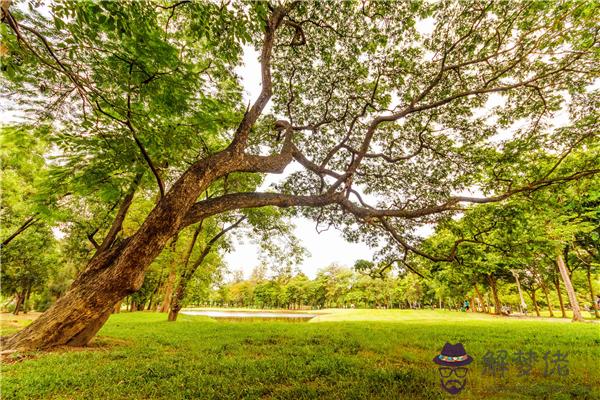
236	201
243	131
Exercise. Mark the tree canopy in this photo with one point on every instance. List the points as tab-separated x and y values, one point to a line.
398	115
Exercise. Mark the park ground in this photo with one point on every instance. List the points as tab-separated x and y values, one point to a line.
341	354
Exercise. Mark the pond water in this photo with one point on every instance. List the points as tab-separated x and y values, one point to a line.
251	316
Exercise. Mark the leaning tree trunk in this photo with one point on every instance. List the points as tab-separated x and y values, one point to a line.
27	224
480	298
118	271
170	282
497	304
560	299
168	289
151	304
177	299
569	286
187	274
26	299
522	305
20	297
534	301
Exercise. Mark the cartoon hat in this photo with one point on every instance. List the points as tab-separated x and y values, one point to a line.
453	355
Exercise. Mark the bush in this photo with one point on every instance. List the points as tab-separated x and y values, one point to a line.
42	301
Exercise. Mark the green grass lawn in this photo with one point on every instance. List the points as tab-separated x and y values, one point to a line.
348	354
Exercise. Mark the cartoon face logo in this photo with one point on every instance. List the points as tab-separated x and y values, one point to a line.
452	362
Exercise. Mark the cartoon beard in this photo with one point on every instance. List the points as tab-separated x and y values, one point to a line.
453	386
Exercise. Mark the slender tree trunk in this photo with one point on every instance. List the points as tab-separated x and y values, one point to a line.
487	303
177	299
569	286
523	305
187	274
547	296
560	299
170	282
480	299
168	288
497	304
473	304
534	301
26	299
159	284
117	308
18	303
117	224
592	294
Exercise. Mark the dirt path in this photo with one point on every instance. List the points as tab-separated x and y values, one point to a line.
10	322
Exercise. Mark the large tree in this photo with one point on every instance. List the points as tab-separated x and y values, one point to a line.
389	122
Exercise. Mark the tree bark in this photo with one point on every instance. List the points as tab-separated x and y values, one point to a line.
497	303
560	299
569	286
592	294
119	270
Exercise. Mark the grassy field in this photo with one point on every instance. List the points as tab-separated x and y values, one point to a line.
344	354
